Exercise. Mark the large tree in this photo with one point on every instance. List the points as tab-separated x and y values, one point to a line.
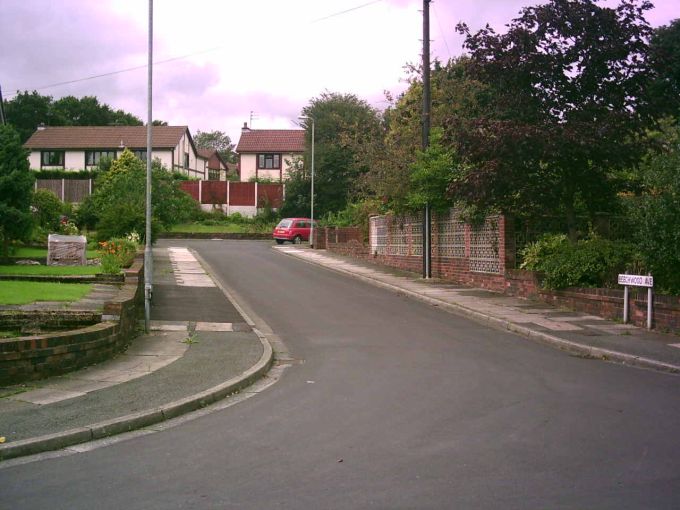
569	88
665	57
216	140
28	110
16	188
343	122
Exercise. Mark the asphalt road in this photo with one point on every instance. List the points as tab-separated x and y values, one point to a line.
393	404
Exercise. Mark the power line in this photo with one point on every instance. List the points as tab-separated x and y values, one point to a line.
111	73
345	11
173	59
441	30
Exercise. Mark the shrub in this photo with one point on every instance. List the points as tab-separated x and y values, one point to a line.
116	253
591	262
47	209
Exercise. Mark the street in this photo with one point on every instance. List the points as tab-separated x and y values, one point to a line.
389	403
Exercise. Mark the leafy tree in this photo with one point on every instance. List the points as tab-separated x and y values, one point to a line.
47	209
665	57
216	140
656	213
431	174
568	90
28	110
456	97
16	188
343	123
119	200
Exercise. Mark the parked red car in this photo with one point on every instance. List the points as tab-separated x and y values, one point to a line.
294	230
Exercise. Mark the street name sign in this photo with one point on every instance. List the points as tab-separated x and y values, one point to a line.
636	280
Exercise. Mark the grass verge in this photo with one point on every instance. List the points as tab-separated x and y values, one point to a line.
226	228
23	252
22	293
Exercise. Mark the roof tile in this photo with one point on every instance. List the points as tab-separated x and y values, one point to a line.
104	137
272	140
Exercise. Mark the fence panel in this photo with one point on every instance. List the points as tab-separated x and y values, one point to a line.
54	185
451	235
76	190
214	192
190	187
242	193
271	194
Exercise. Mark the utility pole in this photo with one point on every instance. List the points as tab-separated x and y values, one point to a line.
427	216
2	109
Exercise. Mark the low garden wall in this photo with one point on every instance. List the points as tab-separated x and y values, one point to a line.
38	356
482	257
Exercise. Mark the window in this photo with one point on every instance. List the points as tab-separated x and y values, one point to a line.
92	158
52	158
140	154
213	174
186	161
268	161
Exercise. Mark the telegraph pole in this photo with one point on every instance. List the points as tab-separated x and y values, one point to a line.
2	109
427	216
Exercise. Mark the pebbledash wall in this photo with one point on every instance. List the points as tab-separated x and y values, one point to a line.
39	356
483	257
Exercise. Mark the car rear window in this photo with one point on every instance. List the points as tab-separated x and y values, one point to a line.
284	224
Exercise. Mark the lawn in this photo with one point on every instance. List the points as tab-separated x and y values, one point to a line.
225	228
50	270
22	252
21	293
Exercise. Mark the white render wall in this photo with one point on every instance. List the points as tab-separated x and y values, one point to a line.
75	160
249	167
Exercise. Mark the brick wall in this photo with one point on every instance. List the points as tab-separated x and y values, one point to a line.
39	356
396	242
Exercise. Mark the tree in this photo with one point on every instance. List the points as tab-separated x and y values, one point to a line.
665	57
568	89
118	202
656	212
431	174
16	188
216	140
28	110
343	123
456	97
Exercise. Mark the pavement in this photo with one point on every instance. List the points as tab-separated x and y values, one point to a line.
202	348
199	350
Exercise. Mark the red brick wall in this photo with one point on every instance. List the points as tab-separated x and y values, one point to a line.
606	303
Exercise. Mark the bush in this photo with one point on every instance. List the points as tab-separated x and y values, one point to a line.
116	253
47	209
591	262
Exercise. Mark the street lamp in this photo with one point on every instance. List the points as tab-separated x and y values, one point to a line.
311	213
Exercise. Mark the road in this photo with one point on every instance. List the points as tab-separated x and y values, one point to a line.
391	404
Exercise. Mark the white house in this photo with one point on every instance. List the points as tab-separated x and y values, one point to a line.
268	153
82	147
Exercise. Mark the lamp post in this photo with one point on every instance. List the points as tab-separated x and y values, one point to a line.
311	199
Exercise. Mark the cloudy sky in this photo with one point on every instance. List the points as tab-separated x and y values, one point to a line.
220	60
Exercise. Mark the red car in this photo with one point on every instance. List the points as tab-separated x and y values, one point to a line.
294	230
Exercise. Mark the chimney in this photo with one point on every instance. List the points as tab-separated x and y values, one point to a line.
41	126
245	128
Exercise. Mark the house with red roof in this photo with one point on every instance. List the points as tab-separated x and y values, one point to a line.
214	166
82	147
268	153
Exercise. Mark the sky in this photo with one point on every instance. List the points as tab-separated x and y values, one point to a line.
220	63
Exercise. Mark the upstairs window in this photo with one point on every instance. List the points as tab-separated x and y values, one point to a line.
93	158
52	158
186	161
268	161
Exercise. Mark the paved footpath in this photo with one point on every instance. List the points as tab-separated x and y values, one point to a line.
200	349
578	334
